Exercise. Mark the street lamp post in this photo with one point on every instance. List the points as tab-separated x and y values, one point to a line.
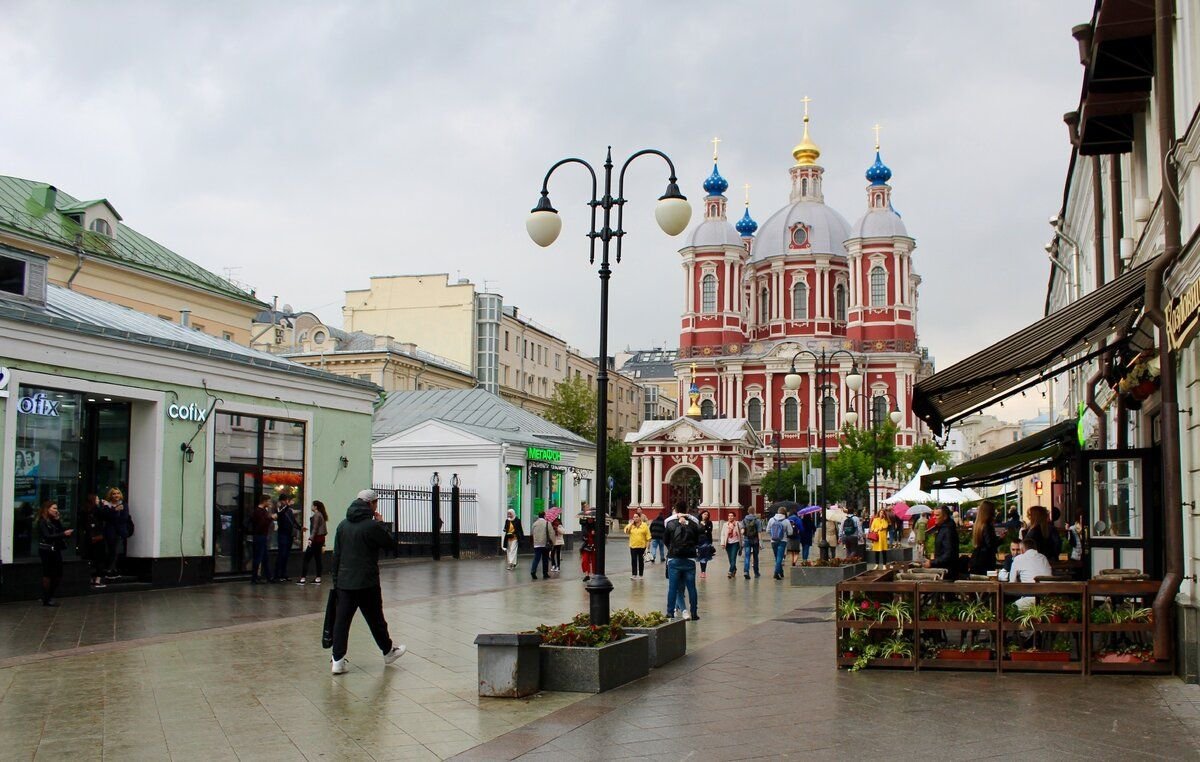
854	381
672	213
873	421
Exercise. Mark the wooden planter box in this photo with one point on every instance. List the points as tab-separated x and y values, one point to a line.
953	654
509	664
594	670
824	576
1039	656
667	641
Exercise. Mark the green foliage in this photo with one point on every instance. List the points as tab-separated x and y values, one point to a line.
779	486
620	461
860	452
573	407
896	647
624	618
909	460
581	636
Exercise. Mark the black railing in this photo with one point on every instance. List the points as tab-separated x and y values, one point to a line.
409	512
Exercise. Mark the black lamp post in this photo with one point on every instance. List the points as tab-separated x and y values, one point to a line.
854	381
672	213
876	424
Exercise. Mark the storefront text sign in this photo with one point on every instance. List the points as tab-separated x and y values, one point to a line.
540	453
38	404
186	412
1182	314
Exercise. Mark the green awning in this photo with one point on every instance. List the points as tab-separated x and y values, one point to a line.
1033	454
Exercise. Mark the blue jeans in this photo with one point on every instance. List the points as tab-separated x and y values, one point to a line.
751	550
779	548
657	549
540	556
731	550
283	545
804	549
681	571
259	558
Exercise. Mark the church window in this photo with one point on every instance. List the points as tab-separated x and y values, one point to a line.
708	294
800	302
878	286
754	413
879	410
841	302
804	187
791	414
764	306
829	407
708	410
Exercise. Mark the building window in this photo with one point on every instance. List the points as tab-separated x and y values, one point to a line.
764	306
800	302
229	336
557	361
878	286
791	414
102	227
708	294
840	302
12	276
830	414
754	413
506	341
708	410
879	410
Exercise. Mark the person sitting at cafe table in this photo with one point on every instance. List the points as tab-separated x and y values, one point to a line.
985	542
1026	568
1042	534
945	547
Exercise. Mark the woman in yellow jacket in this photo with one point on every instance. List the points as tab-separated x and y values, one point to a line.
639	538
880	525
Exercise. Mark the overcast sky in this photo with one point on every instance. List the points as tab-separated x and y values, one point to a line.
308	146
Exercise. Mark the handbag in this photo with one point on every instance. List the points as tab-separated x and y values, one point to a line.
873	536
330	616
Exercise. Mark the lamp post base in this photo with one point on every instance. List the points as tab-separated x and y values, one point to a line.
598	589
826	549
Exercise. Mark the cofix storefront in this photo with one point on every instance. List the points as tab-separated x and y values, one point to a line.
191	428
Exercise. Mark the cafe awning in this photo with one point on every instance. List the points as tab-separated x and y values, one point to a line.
1056	343
1033	454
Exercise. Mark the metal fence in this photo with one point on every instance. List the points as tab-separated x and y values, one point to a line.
416	518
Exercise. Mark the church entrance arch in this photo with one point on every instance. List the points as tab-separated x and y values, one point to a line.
683	483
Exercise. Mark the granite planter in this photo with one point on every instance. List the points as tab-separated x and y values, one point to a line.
825	576
668	641
509	664
594	670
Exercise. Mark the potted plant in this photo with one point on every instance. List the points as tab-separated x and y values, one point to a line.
965	652
1130	654
826	572
853	644
977	610
591	658
667	637
849	608
1034	613
1141	380
896	647
1060	650
896	610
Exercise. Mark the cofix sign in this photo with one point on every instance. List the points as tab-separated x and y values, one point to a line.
38	404
186	412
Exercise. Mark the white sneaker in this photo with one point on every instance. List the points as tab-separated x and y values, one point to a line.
687	615
340	667
394	654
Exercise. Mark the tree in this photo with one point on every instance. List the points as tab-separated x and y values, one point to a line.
910	459
573	407
620	461
861	452
780	488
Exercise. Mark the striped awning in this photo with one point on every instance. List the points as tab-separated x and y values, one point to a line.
1033	454
1056	343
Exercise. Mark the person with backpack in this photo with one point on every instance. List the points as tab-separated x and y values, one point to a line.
657	530
682	538
731	538
751	528
851	533
777	528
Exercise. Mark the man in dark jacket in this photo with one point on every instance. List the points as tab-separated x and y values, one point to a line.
286	526
945	548
682	536
657	532
357	543
260	529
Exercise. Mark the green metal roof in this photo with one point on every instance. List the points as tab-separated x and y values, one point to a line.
21	211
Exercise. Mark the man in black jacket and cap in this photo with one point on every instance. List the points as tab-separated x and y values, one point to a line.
945	554
682	537
357	543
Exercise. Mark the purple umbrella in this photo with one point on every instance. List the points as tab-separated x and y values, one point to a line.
810	509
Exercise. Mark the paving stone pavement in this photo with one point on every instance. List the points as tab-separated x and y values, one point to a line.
230	671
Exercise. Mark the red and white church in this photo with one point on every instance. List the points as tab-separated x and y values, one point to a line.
754	298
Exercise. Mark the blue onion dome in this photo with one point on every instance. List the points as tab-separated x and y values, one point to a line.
878	173
746	225
716	185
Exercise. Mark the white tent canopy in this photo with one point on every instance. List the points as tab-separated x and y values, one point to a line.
912	493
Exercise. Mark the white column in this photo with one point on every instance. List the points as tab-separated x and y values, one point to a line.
717	490
647	486
658	480
733	481
740	405
634	494
706	481
768	403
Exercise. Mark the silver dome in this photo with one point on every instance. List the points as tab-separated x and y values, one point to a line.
829	231
879	223
714	232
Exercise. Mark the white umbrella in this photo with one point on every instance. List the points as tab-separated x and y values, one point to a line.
833	513
917	510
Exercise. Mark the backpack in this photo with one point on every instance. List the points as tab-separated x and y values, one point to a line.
750	527
790	527
849	528
778	530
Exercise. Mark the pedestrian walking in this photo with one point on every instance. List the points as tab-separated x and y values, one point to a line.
356	545
682	537
919	537
777	529
560	541
285	534
118	528
851	535
512	538
587	546
543	541
706	538
731	539
657	530
259	525
751	528
806	528
52	539
318	528
878	536
639	538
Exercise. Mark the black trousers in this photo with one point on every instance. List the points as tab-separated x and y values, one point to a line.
370	602
637	559
52	566
312	552
556	556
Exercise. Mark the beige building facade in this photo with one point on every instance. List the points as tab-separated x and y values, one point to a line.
427	310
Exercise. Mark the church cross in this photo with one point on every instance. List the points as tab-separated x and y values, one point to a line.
715	142
747	187
876	128
806	100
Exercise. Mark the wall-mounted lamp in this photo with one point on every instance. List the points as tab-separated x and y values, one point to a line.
344	461
188	452
435	480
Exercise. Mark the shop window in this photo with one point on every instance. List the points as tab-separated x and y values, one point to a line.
1117	498
754	413
791	414
47	461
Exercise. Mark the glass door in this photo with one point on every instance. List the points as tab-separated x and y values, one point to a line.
235	492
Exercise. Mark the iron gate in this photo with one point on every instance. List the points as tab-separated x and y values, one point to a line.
415	518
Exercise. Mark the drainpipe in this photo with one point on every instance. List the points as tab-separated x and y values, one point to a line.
1098	249
1164	95
78	264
